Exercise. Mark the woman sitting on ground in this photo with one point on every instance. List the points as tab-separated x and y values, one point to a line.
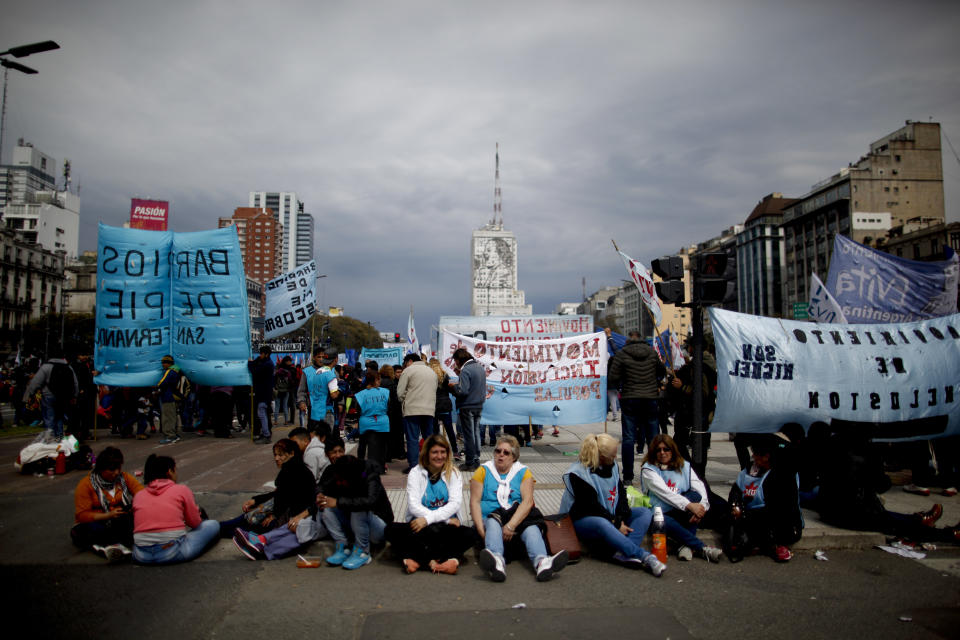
162	515
102	506
501	505
354	501
432	536
673	485
596	500
260	524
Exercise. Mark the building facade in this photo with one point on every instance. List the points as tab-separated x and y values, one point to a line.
900	178
32	283
760	259
494	289
29	172
261	239
298	226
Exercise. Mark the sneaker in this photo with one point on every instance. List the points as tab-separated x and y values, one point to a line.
929	518
142	436
493	565
556	432
711	554
551	565
654	566
949	492
685	553
339	556
262	440
914	489
782	554
167	440
449	566
246	547
628	561
116	553
358	558
410	565
468	467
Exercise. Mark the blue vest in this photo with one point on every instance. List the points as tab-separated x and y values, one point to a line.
317	382
436	495
607	489
752	489
488	499
373	410
677	481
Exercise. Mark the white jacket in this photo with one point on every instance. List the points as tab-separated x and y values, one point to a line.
417	486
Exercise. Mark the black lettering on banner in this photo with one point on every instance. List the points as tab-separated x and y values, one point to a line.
187	303
814	398
288	317
219	258
268	324
182	260
113	256
874	401
291	286
311	307
301	314
200	259
208	309
834	400
295	301
853	398
800	336
116	304
154	300
138	264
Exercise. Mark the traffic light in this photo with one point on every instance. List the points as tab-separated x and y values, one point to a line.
396	337
670	269
710	283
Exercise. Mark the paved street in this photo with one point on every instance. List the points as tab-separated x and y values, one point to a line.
859	590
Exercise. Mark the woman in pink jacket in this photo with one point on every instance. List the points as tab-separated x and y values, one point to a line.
167	526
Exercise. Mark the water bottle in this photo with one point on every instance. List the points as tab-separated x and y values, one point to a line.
658	535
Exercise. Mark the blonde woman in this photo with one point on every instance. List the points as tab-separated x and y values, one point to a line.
596	500
445	406
432	536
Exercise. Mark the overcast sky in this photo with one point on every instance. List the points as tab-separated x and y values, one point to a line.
657	126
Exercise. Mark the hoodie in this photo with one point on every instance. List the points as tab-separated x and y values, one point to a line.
164	507
636	369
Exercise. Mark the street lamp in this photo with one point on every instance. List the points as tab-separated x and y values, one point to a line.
18	52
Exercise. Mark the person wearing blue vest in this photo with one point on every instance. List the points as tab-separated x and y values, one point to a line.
596	500
319	387
432	536
673	485
374	423
765	507
501	505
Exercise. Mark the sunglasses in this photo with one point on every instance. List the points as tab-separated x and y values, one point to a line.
503	452
662	449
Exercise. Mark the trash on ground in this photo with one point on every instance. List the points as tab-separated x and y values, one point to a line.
519	605
820	555
902	551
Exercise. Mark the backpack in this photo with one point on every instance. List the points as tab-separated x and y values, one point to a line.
183	387
60	383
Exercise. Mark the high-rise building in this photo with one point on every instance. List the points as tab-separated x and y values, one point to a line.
900	178
31	171
760	262
297	225
261	238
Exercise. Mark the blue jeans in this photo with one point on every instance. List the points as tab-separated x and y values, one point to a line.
493	430
52	416
600	532
282	409
366	526
183	549
640	422
446	420
678	526
469	423
263	409
531	536
416	427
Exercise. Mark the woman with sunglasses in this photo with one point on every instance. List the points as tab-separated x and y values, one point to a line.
596	500
501	505
673	485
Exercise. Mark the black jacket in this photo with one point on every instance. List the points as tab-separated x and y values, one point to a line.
356	485
636	370
296	491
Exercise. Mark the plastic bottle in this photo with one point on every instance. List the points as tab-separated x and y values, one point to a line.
61	464
658	535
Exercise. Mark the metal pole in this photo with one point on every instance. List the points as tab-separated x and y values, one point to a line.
696	430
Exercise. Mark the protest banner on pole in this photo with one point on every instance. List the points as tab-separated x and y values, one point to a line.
291	300
559	382
516	328
413	345
391	355
183	294
823	306
873	286
899	381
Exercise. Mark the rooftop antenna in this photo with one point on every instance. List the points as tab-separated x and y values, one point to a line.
66	174
497	200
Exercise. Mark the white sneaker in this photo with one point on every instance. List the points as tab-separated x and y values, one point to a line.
685	553
549	565
493	565
711	554
654	566
116	553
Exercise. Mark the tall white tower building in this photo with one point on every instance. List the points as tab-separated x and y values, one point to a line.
493	252
297	225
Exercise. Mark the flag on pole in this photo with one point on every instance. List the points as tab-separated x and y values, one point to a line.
641	278
413	345
823	306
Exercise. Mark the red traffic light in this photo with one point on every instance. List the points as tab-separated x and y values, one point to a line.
712	264
396	337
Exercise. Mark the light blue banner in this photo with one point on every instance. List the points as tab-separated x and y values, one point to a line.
162	293
392	355
872	286
561	402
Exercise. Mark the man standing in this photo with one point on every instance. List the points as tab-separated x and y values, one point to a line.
470	392
318	388
261	370
417	390
285	377
166	388
637	370
58	392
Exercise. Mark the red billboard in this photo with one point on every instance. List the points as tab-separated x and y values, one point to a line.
149	214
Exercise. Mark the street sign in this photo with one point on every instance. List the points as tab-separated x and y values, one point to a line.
800	310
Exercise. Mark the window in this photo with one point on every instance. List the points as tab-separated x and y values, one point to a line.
897	158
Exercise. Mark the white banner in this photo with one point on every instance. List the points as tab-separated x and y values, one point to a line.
648	292
899	381
291	300
516	328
